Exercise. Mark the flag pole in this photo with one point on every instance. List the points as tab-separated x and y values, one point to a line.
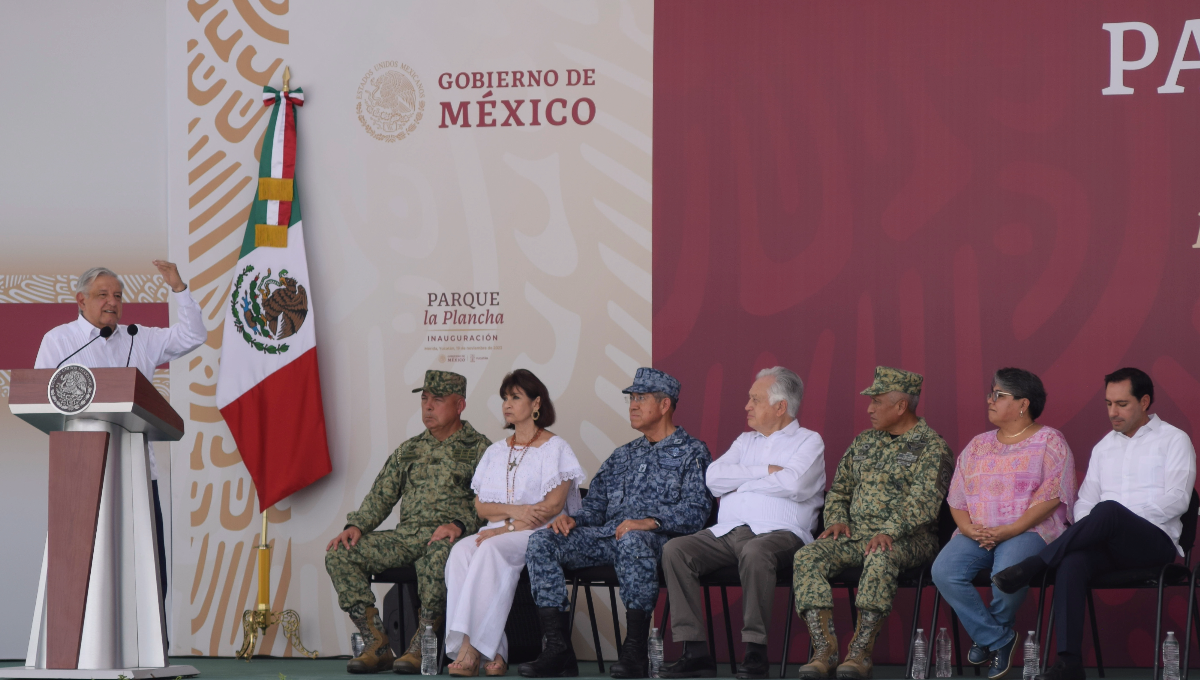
264	569
255	622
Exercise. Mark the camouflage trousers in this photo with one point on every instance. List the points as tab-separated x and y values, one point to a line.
351	570
825	558
635	558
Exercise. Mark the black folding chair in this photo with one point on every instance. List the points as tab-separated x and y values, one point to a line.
605	576
728	577
983	579
1193	609
522	627
1168	575
402	579
918	578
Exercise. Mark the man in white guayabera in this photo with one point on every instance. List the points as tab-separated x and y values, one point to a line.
99	293
771	483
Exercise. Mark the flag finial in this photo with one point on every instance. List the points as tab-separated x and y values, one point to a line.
287	75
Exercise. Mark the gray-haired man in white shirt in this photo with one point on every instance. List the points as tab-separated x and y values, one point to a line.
1128	515
771	483
100	295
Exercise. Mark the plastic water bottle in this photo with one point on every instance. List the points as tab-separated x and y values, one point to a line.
942	647
357	645
655	648
1033	665
429	652
920	663
1170	657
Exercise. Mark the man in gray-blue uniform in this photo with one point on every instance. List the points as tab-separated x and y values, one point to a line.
647	492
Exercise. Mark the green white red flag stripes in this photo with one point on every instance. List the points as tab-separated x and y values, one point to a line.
269	388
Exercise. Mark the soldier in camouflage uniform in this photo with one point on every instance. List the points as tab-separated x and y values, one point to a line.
647	492
881	514
432	473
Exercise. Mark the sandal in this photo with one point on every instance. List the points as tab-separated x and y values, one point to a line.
466	671
493	670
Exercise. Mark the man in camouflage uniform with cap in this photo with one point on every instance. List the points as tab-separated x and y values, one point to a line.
432	474
647	492
880	514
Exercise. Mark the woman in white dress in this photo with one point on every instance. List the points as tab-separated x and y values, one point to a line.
521	483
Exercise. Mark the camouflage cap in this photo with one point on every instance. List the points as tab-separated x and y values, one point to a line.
442	383
648	380
894	380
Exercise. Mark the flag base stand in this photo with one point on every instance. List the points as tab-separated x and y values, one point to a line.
255	622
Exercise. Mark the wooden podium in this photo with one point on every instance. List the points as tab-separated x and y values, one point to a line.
99	611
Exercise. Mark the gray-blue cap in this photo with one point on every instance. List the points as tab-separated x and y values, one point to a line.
648	380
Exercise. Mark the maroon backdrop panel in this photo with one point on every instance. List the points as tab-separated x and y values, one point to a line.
28	322
936	186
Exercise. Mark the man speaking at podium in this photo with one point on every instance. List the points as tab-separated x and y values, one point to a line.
99	293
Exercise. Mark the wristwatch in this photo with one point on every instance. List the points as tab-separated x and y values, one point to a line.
511	526
657	524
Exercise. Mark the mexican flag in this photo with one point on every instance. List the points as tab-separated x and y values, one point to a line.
269	389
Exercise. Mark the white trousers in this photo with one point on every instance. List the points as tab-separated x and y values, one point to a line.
480	583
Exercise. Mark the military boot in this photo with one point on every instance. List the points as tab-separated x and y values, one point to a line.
376	655
409	663
557	660
858	663
634	662
824	658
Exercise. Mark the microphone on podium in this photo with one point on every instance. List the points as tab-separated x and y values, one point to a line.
132	330
104	333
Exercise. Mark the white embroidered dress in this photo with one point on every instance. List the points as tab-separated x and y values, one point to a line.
481	579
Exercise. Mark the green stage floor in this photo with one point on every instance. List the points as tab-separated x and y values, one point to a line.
303	669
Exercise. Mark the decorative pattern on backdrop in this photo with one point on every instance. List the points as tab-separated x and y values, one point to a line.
61	288
225	120
450	226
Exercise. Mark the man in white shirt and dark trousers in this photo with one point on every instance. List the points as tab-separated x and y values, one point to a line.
1138	485
772	484
99	293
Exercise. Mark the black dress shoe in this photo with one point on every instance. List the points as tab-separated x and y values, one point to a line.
1061	670
753	666
688	666
1018	575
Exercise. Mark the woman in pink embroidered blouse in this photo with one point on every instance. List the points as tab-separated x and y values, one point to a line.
1011	494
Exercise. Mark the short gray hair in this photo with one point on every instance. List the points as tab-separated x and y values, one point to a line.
912	399
787	387
86	279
